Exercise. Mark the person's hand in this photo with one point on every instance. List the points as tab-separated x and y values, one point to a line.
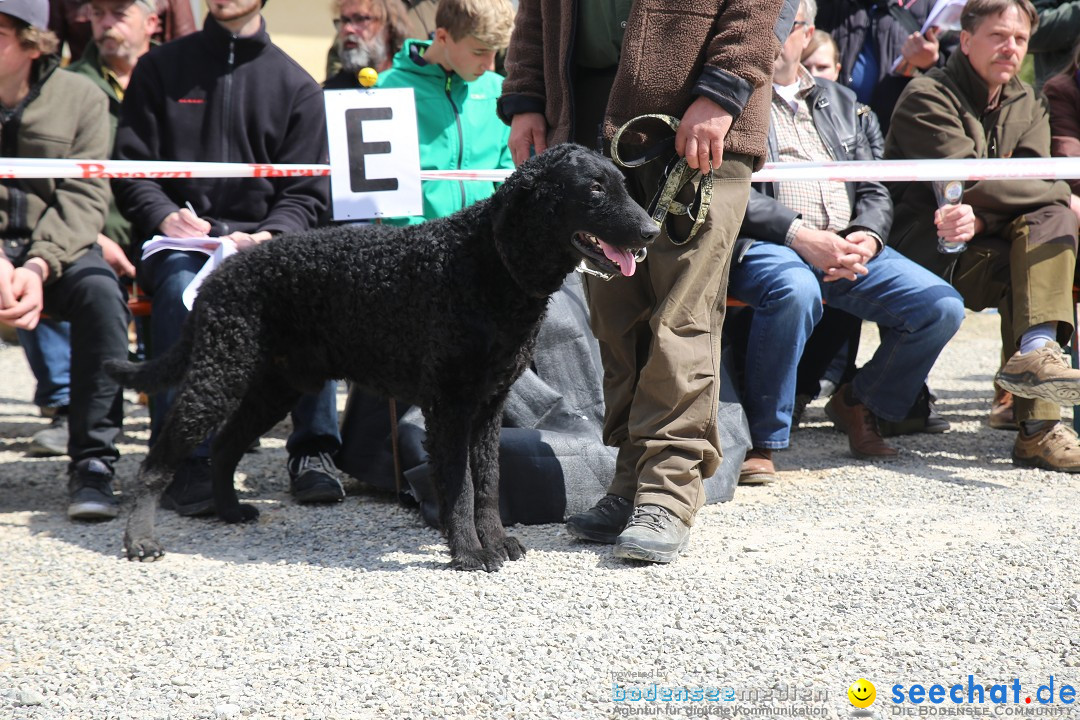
866	242
22	298
701	133
921	50
836	256
115	256
184	224
527	130
246	240
850	265
956	223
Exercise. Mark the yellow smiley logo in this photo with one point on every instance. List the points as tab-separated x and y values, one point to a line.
862	693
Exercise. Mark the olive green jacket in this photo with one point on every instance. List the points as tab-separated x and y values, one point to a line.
942	115
64	116
117	228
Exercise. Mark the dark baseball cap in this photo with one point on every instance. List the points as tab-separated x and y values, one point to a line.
31	12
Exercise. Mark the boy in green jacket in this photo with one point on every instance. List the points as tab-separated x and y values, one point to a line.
456	94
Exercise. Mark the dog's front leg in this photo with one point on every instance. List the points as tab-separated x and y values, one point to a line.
448	445
484	464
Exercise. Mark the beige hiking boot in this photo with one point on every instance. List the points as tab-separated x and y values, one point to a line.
1054	448
1041	374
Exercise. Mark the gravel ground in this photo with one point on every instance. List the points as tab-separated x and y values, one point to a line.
946	563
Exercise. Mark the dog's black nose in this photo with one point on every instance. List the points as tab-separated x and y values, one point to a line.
650	232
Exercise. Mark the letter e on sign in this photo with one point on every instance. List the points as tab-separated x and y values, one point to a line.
374	153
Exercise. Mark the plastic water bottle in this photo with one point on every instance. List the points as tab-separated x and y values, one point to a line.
949	192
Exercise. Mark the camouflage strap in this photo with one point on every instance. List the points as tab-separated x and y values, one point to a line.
676	175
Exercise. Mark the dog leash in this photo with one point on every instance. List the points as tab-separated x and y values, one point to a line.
676	174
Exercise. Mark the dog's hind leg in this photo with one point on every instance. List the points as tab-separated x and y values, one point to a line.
187	423
208	396
448	435
484	464
267	401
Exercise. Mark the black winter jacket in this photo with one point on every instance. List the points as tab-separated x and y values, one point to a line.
835	113
212	96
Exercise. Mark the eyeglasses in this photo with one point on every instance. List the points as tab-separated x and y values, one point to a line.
357	21
798	23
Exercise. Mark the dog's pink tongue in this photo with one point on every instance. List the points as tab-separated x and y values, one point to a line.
626	262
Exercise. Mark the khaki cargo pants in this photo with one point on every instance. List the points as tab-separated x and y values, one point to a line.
659	334
1027	273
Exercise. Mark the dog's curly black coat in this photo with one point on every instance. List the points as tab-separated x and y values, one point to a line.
443	315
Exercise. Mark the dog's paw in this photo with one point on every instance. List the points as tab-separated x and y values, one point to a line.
508	548
243	513
143	550
473	560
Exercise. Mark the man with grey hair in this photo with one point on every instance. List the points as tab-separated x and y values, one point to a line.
122	33
805	243
369	34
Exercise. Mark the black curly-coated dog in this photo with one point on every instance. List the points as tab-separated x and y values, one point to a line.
443	315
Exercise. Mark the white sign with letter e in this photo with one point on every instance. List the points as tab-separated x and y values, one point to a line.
374	153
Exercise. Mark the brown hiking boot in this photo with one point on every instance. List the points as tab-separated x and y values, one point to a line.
1054	448
860	424
757	468
1041	374
1002	416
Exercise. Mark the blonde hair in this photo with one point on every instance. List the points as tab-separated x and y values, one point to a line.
34	38
822	39
489	21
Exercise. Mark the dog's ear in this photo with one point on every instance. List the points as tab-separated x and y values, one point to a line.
526	221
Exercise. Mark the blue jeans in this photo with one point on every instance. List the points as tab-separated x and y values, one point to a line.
48	350
164	275
917	312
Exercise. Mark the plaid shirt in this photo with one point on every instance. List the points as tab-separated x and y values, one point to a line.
822	205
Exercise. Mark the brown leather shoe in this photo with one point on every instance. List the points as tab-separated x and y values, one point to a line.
1002	416
757	468
859	423
1054	448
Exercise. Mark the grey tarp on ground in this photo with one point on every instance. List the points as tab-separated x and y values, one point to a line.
552	460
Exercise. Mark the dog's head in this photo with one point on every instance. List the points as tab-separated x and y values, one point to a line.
567	205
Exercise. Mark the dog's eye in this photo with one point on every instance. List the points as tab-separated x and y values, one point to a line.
597	187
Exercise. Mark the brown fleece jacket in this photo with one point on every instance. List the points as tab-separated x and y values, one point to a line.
671	53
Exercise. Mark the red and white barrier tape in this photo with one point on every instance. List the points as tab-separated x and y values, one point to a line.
881	170
26	168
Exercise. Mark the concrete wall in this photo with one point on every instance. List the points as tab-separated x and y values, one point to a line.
302	28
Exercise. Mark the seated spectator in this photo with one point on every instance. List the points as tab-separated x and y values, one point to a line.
1020	235
455	99
1053	37
1063	96
828	360
122	31
369	34
70	20
52	261
246	119
870	36
804	243
822	57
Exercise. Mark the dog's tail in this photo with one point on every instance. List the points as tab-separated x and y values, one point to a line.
161	373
